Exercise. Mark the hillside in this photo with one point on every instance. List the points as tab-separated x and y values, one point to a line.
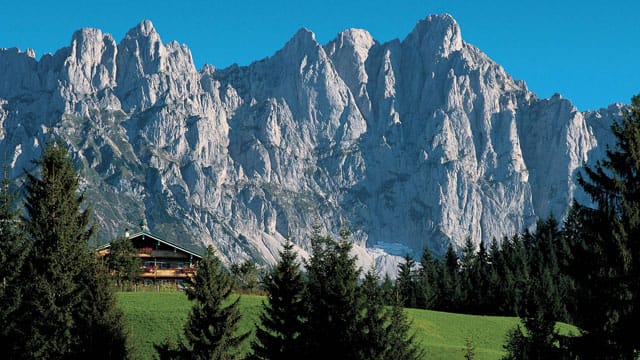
154	316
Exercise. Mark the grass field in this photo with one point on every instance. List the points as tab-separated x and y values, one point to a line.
152	317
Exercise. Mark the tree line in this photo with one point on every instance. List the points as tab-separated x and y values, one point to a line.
584	271
57	301
57	296
324	312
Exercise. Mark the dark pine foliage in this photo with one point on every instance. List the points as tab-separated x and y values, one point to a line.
605	243
281	321
123	260
13	251
427	281
211	331
65	297
406	282
332	300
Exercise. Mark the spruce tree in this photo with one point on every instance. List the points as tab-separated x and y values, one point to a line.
211	331
468	271
13	251
333	304
64	296
281	321
406	282
373	342
427	281
402	344
606	266
544	302
498	281
450	292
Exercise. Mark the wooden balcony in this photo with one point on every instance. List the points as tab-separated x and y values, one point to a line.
167	273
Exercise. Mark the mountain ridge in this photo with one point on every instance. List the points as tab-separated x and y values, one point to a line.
409	143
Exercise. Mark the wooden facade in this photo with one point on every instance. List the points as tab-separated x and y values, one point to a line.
163	262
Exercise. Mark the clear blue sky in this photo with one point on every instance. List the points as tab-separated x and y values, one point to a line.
588	51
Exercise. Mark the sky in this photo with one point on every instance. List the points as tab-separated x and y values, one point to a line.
588	51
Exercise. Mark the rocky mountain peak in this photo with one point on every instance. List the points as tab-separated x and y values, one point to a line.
303	43
413	143
439	34
349	52
144	29
91	64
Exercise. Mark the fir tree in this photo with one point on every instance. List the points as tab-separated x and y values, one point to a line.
427	281
64	294
606	266
281	321
401	342
373	343
543	304
332	300
498	282
211	331
406	282
450	292
13	251
468	270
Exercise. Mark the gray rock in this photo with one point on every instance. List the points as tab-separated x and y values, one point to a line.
412	143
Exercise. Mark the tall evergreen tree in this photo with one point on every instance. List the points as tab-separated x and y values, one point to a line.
427	281
60	279
373	343
497	281
606	266
281	321
406	282
211	331
450	292
13	251
516	273
332	301
544	302
401	342
468	270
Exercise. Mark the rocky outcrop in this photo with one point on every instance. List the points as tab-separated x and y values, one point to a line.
411	143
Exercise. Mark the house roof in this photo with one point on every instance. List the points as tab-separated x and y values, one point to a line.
147	234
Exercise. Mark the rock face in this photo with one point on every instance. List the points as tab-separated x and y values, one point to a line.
411	143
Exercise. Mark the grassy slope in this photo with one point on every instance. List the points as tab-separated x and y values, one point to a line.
154	316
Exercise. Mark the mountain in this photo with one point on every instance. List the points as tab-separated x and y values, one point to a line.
412	143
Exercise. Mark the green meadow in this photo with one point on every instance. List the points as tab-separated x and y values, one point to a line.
152	317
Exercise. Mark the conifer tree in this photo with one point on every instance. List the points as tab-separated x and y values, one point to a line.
406	282
450	292
427	281
281	321
384	332
516	273
402	343
13	251
498	281
606	266
468	271
373	343
64	294
543	304
211	331
332	300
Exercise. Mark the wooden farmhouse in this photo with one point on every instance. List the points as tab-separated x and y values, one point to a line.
163	262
